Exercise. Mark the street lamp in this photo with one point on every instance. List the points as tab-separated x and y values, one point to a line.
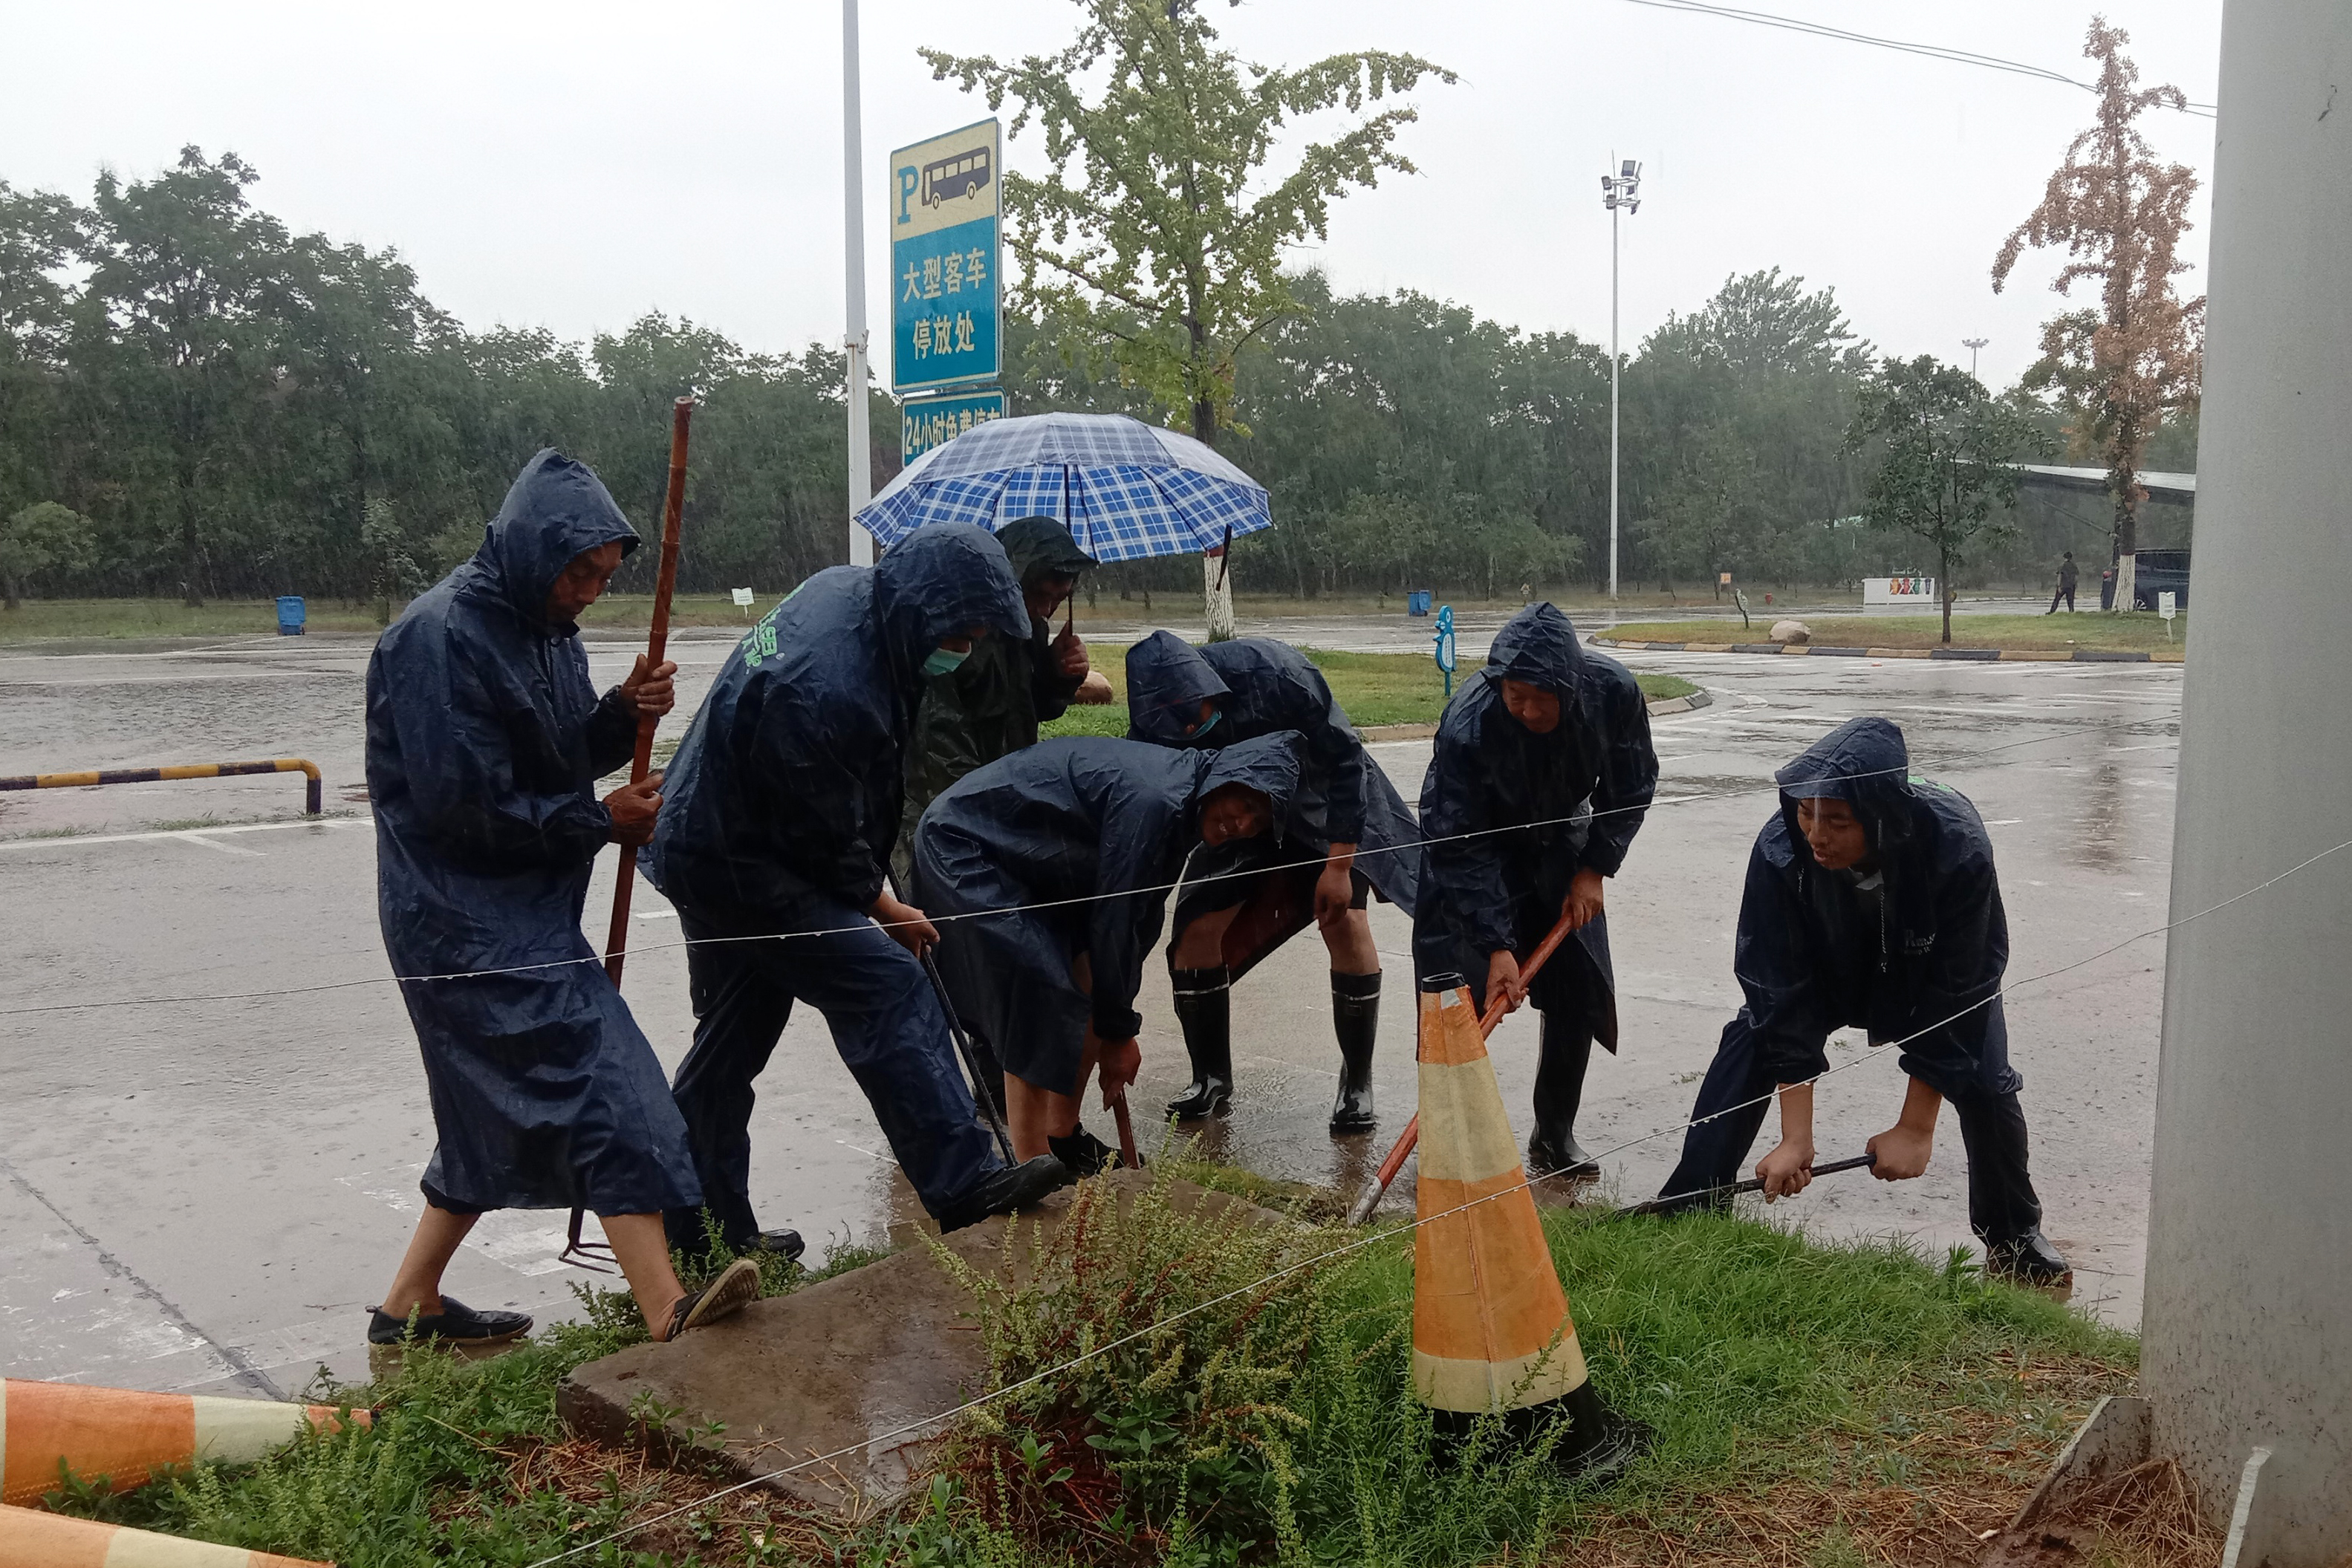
1620	189
1972	345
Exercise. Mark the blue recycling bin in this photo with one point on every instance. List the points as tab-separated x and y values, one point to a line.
289	615
1417	601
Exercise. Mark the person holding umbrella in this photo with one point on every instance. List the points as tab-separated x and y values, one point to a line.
1244	899
1541	774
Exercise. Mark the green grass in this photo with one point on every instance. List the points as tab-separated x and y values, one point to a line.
2047	633
127	617
1798	1393
1374	689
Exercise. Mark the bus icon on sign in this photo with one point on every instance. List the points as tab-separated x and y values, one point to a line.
952	177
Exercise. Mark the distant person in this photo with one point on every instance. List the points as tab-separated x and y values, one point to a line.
1057	862
1541	774
783	803
483	743
2066	575
1872	903
1349	834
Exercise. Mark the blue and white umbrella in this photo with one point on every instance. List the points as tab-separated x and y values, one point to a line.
1125	488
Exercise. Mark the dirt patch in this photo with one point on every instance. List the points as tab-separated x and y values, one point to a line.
2144	1517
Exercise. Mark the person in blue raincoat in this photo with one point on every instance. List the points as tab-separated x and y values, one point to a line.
1541	774
483	743
1349	834
783	799
1872	903
1055	864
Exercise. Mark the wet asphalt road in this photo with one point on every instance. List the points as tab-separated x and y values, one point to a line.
209	1193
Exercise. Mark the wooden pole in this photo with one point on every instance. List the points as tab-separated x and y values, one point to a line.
616	940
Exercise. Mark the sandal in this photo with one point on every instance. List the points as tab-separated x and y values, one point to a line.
737	1286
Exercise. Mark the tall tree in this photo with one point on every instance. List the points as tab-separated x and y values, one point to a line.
2119	211
1946	459
1159	229
40	235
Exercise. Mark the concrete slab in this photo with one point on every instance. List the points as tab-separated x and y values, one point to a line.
871	1356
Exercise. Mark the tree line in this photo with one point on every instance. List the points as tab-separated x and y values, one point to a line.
196	401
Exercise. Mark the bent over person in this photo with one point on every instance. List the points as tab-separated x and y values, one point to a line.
1347	835
1057	862
783	801
1872	903
1541	774
484	742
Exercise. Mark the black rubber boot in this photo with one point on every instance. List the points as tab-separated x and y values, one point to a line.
1559	1090
1083	1152
1204	1008
2029	1260
1356	1019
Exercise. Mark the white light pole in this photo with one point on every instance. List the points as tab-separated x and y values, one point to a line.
1621	189
853	262
1972	345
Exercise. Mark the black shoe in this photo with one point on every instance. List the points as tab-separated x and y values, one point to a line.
737	1286
2029	1260
1204	1008
1547	1157
1356	1019
1004	1189
785	1244
455	1324
1084	1153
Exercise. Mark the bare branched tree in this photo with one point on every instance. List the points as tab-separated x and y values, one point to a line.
2119	212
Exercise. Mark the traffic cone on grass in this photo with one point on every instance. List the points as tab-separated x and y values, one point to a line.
126	1435
31	1539
1491	1333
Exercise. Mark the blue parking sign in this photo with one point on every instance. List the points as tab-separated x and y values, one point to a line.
928	422
946	311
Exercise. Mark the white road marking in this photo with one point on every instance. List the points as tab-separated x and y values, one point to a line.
224	848
65	841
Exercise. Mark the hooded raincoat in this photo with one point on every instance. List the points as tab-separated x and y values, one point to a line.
1108	823
1262	687
483	743
992	705
1808	960
1509	817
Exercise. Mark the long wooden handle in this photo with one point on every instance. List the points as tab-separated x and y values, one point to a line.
616	940
1377	1188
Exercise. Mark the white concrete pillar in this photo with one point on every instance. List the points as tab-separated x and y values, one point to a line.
2249	1311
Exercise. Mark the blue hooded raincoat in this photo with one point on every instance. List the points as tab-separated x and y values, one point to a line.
1083	818
1806	965
483	743
1586	786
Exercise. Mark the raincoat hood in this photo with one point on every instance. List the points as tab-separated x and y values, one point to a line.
1538	646
555	509
1267	764
1863	762
1040	548
936	583
1166	679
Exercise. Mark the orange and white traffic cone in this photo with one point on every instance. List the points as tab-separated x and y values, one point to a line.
32	1539
1491	1331
126	1435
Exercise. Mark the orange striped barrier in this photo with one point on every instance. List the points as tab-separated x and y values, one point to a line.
127	1434
1491	1331
31	1539
85	778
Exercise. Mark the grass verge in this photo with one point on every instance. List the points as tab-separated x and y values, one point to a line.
1813	1405
2041	634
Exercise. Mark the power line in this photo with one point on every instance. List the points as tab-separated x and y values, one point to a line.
1932	51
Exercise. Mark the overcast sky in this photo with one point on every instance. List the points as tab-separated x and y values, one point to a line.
572	166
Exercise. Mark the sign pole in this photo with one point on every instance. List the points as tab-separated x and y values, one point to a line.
853	262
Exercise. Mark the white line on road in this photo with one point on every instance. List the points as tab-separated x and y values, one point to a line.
71	840
224	848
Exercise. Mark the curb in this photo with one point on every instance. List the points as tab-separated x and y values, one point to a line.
1373	734
1979	655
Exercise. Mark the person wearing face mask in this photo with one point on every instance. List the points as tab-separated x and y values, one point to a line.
783	799
990	704
1541	774
1057	862
1349	834
1872	903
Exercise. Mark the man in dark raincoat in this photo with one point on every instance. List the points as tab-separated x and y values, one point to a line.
1055	864
484	742
1541	774
783	801
1347	835
992	705
1872	903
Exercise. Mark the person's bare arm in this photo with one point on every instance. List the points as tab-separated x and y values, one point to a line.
1788	1170
1904	1149
1335	889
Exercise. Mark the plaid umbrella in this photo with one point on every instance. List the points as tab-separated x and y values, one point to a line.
1125	488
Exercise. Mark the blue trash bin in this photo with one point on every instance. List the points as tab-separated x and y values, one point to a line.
289	615
1417	601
